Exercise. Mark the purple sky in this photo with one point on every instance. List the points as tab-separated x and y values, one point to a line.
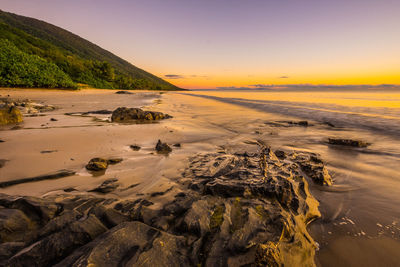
238	43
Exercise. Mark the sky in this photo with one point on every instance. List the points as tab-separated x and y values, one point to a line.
238	43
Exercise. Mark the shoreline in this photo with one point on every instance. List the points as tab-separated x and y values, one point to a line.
200	128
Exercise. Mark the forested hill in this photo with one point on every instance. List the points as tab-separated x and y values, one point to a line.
34	53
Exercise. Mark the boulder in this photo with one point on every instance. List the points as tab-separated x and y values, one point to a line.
124	114
97	164
10	114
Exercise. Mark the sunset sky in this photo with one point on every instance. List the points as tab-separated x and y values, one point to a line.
241	43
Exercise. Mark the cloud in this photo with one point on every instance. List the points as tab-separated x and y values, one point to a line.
284	77
315	87
178	76
173	76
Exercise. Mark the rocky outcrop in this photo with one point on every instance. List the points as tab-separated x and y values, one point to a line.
347	142
10	114
124	114
245	207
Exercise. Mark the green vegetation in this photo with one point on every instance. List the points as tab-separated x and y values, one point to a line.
43	55
217	217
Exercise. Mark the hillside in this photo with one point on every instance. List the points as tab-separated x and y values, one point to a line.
82	61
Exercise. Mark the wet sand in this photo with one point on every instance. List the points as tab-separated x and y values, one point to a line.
360	214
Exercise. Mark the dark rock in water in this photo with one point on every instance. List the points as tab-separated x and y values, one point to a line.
329	124
135	147
10	114
313	167
163	148
124	114
177	145
347	142
56	175
107	186
53	119
303	123
124	93
97	164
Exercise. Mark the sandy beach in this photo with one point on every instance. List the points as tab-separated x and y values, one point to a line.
64	139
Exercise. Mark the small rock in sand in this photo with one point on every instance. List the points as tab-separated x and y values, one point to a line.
123	93
97	164
135	147
2	162
53	119
177	145
163	148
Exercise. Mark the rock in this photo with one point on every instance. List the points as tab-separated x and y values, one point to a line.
244	207
347	142
280	154
13	223
135	147
177	145
124	114
53	119
10	114
100	112
56	175
163	148
2	141
107	186
132	244
97	164
58	245
113	161
48	151
124	93
2	163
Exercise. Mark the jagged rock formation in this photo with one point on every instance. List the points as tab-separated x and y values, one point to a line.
241	208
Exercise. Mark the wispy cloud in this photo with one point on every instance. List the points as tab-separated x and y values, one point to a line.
173	76
178	76
284	77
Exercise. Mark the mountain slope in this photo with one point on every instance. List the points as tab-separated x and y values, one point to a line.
82	60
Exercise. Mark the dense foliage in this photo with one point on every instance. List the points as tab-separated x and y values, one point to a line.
24	70
52	50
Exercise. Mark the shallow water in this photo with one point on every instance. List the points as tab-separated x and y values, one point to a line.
360	224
